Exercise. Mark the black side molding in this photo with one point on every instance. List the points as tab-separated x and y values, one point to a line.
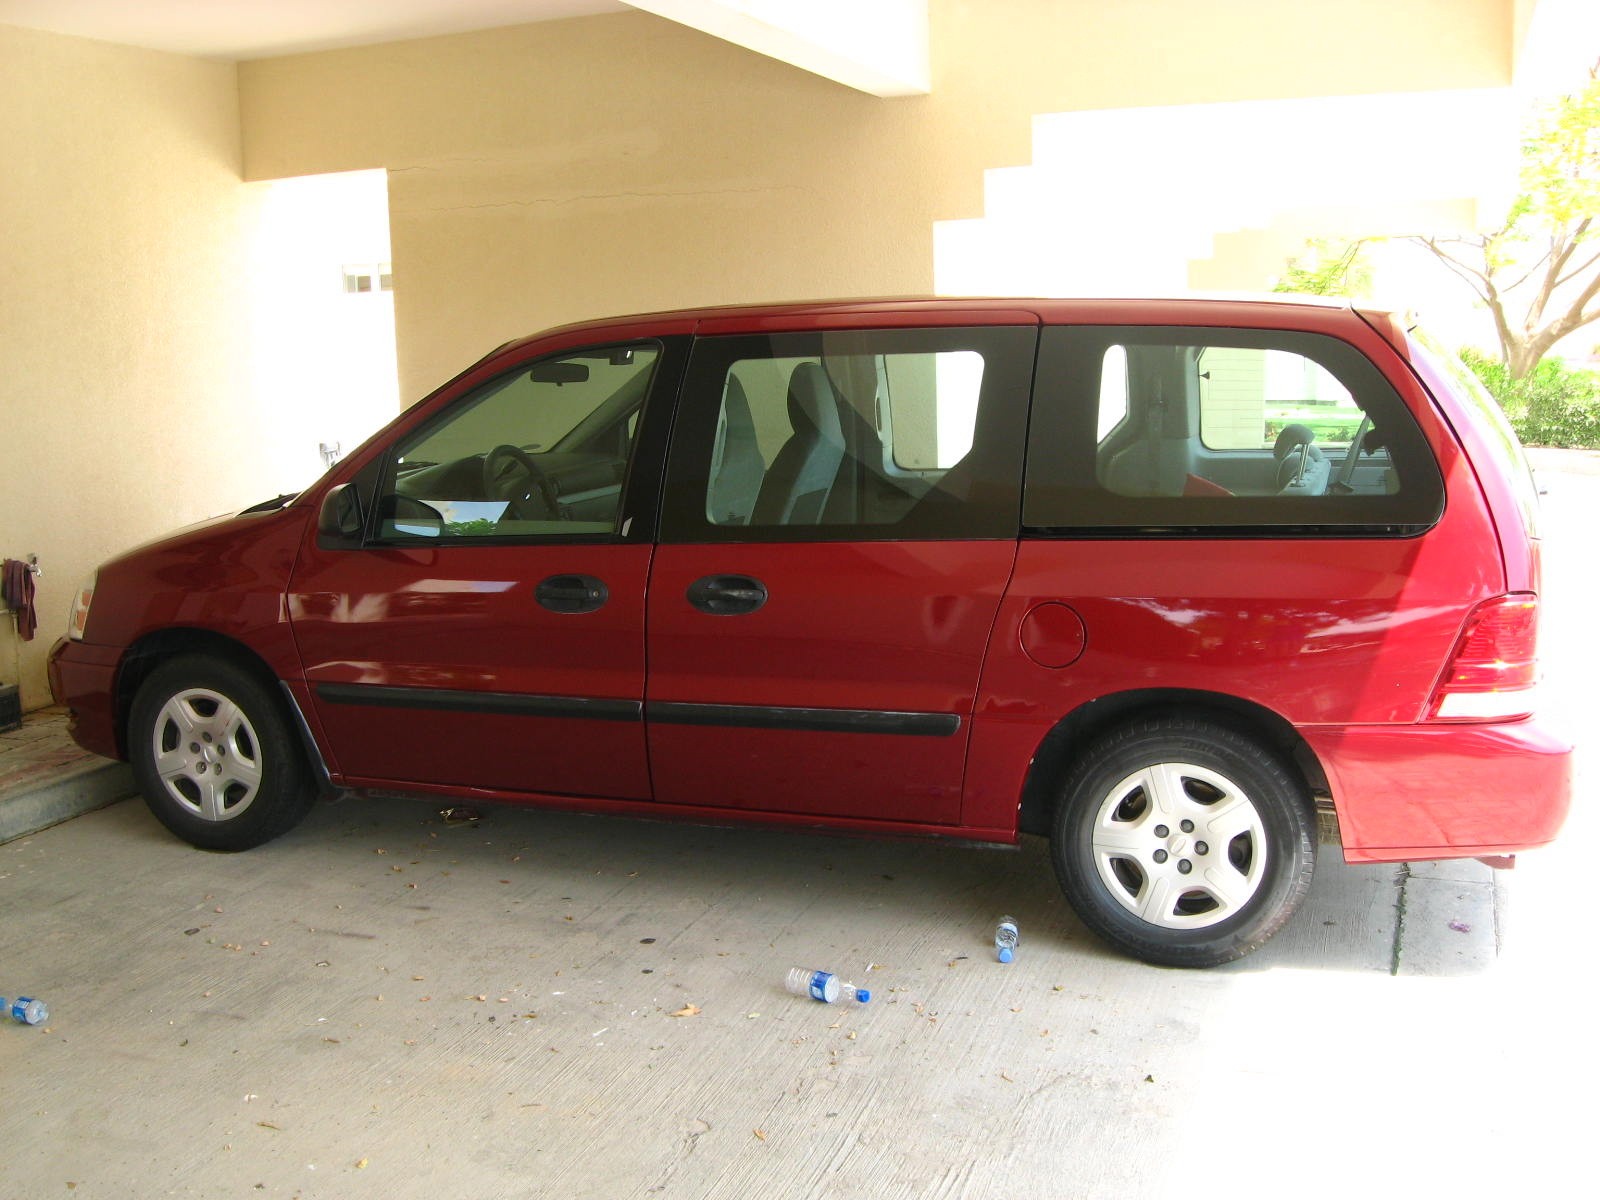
666	712
506	703
816	720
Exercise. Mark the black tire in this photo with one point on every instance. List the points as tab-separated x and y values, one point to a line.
215	755
1183	842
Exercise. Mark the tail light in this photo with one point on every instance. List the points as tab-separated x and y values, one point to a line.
1494	669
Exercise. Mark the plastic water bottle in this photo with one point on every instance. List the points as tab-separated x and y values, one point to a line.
822	985
26	1010
1005	939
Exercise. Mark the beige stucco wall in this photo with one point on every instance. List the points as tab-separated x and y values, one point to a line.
121	309
609	164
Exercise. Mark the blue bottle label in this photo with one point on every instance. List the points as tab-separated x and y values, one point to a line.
819	986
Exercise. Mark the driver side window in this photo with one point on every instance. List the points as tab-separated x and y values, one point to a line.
541	451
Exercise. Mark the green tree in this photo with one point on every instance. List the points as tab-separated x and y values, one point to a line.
1538	272
1552	405
1328	267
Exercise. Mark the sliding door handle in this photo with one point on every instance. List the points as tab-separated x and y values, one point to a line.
727	595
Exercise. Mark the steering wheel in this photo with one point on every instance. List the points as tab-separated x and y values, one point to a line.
510	474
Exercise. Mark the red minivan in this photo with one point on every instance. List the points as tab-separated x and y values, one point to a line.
1161	580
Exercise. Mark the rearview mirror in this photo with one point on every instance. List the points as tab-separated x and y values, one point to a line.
558	372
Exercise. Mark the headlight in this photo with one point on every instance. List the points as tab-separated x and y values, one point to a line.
78	618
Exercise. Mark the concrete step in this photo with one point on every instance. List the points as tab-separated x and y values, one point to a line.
47	778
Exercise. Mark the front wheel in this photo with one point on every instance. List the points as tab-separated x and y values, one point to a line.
215	755
1183	842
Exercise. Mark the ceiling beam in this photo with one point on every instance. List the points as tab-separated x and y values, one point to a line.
874	46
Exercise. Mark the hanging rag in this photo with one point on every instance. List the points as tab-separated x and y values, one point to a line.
16	590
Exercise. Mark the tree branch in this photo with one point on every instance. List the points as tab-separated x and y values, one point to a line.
1478	281
1578	270
1528	274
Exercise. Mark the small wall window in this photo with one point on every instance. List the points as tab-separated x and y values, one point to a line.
368	277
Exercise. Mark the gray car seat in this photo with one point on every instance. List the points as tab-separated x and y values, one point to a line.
797	483
736	463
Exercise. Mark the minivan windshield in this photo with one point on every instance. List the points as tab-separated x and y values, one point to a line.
1500	438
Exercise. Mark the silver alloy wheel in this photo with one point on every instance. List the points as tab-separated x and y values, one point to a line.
1180	846
207	754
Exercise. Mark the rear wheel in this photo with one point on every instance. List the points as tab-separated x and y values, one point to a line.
215	755
1183	842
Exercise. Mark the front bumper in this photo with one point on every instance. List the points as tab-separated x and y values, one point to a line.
84	678
1416	792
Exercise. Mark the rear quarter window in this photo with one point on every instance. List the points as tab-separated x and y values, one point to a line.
1223	432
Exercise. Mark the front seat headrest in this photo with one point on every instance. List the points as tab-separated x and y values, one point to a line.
1292	437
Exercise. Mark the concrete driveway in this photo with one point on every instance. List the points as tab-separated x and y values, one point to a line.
383	1004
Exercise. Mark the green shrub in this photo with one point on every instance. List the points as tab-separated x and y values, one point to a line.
1553	405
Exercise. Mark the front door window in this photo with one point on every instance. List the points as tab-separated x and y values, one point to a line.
540	452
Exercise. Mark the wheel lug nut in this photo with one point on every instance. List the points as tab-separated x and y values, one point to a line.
205	737
1201	848
1184	865
1186	826
194	747
1162	831
1160	856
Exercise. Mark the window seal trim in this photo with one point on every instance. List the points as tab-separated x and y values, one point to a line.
1323	530
500	539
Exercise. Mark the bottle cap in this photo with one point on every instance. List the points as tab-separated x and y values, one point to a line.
1005	953
863	995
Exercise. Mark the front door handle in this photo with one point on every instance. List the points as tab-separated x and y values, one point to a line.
571	594
727	595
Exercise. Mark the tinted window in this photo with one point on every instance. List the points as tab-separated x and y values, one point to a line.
541	451
1221	429
861	434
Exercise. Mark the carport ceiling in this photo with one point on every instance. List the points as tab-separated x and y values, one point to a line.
881	48
246	29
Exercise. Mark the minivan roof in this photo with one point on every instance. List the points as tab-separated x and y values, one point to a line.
1119	310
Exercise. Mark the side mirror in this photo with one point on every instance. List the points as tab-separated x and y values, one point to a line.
403	516
340	518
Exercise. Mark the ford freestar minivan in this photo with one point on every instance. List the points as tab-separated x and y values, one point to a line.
1157	579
